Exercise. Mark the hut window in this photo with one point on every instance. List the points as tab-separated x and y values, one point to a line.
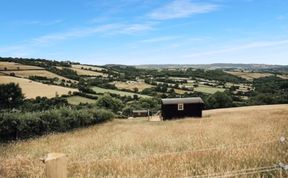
180	107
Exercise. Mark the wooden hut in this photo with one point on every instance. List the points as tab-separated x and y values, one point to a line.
140	113
172	108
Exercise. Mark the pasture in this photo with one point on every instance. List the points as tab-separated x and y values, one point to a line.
122	93
32	89
249	75
88	72
42	73
79	66
208	89
246	137
16	66
131	85
75	100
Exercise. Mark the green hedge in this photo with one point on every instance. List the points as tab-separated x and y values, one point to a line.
15	126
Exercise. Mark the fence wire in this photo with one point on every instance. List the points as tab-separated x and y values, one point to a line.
240	172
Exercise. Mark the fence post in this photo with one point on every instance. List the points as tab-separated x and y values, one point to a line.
55	165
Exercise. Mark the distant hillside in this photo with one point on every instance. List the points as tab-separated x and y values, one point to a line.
218	66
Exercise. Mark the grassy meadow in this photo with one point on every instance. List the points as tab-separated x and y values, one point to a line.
32	89
139	148
122	93
75	100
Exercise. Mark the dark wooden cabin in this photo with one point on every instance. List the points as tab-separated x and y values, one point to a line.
140	113
172	108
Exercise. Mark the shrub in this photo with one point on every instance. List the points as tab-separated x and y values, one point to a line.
30	124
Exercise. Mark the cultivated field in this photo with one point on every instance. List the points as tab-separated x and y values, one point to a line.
16	66
32	89
223	140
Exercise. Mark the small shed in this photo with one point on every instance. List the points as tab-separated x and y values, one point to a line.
140	113
172	108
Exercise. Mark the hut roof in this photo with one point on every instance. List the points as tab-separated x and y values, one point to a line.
182	100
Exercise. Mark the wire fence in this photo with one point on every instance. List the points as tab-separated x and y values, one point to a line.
241	172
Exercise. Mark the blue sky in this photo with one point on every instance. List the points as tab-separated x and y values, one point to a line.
146	31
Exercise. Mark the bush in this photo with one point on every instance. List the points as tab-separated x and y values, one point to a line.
30	124
108	102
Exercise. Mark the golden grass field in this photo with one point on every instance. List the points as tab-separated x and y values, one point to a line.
42	73
88	67
16	66
87	72
138	148
32	89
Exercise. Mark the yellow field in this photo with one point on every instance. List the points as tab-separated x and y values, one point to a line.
42	73
88	72
88	67
16	66
131	85
180	148
33	89
249	75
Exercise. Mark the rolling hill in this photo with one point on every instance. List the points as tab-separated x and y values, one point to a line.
223	140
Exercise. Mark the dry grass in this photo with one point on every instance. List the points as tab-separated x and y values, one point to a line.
33	89
16	66
249	75
42	73
88	67
131	85
88	72
138	148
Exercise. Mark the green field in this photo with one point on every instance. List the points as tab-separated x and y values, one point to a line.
208	89
75	100
122	93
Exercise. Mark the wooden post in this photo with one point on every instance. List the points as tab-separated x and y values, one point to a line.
56	165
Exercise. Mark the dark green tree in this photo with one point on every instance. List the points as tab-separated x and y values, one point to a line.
11	95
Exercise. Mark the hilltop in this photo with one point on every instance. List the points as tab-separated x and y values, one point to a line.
138	148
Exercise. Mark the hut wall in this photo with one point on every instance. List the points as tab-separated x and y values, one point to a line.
170	111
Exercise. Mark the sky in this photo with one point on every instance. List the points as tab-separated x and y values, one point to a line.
146	31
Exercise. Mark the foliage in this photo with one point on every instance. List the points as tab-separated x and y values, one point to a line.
11	95
219	100
108	102
43	103
29	124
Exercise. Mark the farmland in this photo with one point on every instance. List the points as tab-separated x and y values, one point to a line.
75	100
87	72
16	66
28	73
32	89
132	85
208	89
138	148
249	75
122	93
88	67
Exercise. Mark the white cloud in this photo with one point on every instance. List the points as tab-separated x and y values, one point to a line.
181	9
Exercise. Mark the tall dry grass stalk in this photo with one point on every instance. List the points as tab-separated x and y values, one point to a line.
138	148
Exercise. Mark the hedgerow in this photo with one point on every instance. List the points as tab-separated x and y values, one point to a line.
20	125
